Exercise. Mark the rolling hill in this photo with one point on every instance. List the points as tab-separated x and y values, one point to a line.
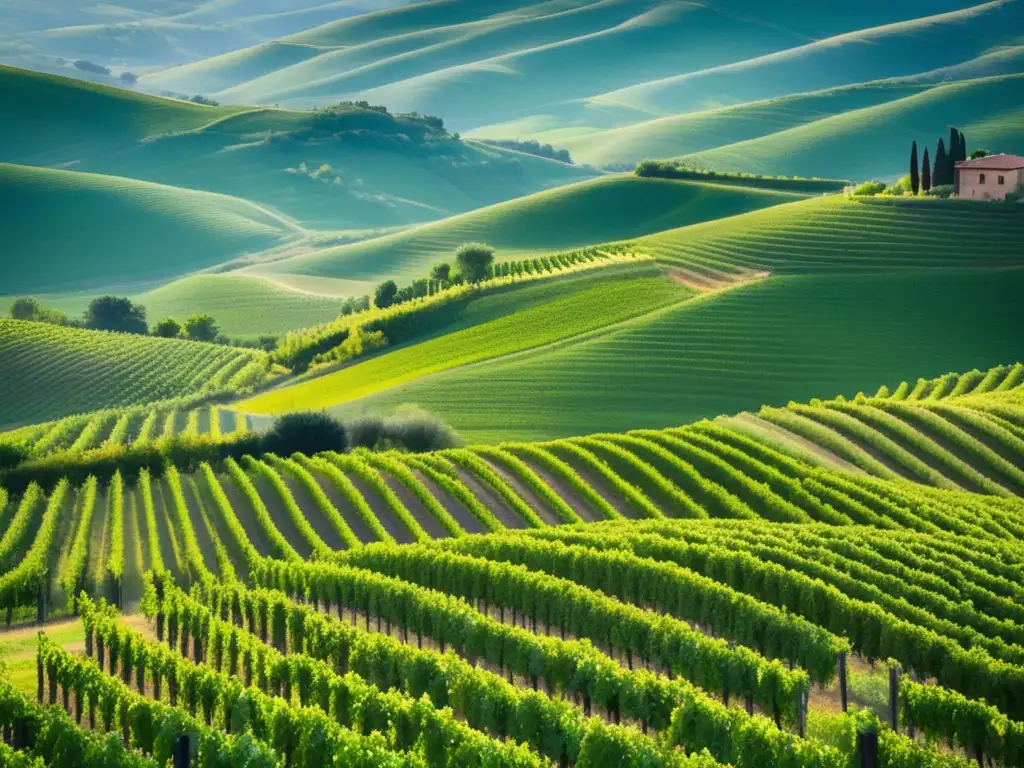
517	70
349	169
611	208
51	371
78	231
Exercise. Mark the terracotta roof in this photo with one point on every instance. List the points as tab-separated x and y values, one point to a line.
994	163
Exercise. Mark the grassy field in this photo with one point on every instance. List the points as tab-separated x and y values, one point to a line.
765	343
493	326
613	208
50	371
81	230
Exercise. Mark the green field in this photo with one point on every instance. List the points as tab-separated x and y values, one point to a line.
50	371
612	208
529	317
80	230
765	343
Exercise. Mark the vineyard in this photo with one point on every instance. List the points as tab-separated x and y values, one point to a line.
50	371
732	592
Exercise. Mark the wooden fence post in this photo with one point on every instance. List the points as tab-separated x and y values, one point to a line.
894	698
181	752
801	715
842	680
867	746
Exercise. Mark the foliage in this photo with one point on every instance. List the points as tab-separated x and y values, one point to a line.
199	327
110	313
868	189
681	169
308	433
384	294
167	328
473	259
532	147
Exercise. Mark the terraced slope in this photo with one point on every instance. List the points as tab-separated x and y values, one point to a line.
684	584
612	208
50	371
82	230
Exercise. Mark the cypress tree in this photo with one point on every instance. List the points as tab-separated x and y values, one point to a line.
915	170
939	176
963	149
951	153
926	172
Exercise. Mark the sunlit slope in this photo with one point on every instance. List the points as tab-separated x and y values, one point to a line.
858	144
573	307
611	208
52	371
245	306
68	230
836	234
62	120
785	338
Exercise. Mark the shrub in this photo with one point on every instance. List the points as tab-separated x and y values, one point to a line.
199	328
26	308
88	66
869	189
473	260
168	328
419	432
384	294
12	454
307	433
129	78
365	432
945	191
113	313
1014	197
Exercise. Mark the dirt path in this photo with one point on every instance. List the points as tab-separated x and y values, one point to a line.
567	494
381	510
752	425
601	486
198	515
282	520
868	450
505	514
243	511
355	522
312	512
527	494
419	512
220	528
132	588
461	515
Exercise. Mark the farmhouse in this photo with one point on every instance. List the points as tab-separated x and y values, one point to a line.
990	178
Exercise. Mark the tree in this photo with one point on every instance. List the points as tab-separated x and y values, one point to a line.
952	150
199	327
915	170
384	294
27	308
962	154
979	153
168	328
114	313
939	177
926	172
441	272
473	260
129	78
306	433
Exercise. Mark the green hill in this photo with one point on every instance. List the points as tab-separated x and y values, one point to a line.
51	371
857	292
612	208
349	169
856	144
82	230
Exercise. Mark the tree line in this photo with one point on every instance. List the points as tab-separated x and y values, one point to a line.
926	176
121	315
471	263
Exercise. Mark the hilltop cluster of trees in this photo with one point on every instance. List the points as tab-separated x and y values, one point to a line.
471	263
122	315
925	177
684	169
532	147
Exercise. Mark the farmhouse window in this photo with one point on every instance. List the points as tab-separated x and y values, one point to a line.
1002	179
981	178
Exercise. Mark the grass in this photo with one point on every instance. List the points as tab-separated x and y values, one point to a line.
612	208
76	230
763	343
52	371
588	305
18	650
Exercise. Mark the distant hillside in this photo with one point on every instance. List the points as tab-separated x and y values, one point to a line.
613	208
350	168
567	73
72	230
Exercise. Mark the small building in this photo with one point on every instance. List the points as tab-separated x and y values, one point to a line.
989	178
